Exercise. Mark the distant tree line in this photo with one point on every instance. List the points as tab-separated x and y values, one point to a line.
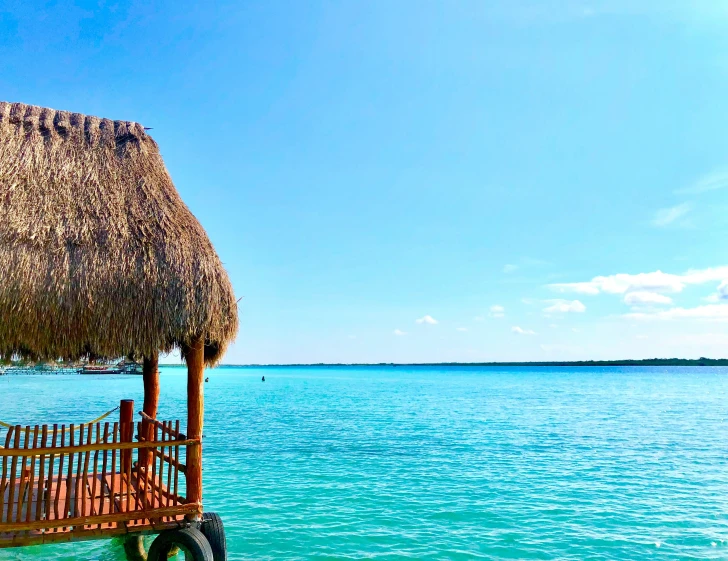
702	361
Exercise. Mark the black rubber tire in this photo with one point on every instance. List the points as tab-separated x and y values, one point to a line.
190	540
215	533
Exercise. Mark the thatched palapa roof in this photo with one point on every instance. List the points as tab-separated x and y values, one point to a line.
98	253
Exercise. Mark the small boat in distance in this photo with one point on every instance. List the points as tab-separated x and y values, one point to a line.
122	367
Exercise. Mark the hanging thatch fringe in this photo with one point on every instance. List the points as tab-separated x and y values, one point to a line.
98	253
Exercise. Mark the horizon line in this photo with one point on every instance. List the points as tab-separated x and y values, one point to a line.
702	361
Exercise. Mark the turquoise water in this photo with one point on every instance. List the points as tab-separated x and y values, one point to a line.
438	463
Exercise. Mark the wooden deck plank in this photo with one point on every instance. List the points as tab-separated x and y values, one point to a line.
94	492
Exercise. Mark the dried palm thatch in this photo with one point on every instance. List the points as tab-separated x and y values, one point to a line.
98	254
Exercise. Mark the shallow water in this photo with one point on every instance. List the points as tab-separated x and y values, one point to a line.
438	463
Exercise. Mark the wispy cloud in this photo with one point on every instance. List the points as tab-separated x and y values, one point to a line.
564	306
399	332
656	281
668	216
509	268
711	311
497	311
643	297
711	182
429	320
520	331
461	328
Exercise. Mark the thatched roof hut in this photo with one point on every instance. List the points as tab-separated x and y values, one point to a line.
99	255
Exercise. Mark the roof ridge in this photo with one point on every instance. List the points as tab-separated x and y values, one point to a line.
62	122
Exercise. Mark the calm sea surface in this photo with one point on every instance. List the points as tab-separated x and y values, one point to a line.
438	463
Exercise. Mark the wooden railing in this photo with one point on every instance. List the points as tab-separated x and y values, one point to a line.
63	483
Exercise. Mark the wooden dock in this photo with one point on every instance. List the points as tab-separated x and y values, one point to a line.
79	482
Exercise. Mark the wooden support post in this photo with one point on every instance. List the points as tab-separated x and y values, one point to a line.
150	374
151	385
195	358
126	432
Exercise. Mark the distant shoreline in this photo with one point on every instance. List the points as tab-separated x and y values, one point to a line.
8	369
643	362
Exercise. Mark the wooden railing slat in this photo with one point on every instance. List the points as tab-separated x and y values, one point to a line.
176	472
170	467
13	468
23	483
4	480
59	477
153	483
69	510
30	488
50	478
112	491
105	465
40	496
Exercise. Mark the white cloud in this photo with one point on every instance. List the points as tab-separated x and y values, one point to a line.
429	320
510	268
721	294
641	337
643	297
667	216
711	311
479	318
352	336
399	332
710	182
520	331
462	328
564	306
656	281
497	311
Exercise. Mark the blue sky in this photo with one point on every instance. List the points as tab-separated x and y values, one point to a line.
529	180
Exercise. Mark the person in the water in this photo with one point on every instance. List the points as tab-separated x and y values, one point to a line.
264	378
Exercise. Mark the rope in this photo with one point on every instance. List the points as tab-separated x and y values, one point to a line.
9	426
